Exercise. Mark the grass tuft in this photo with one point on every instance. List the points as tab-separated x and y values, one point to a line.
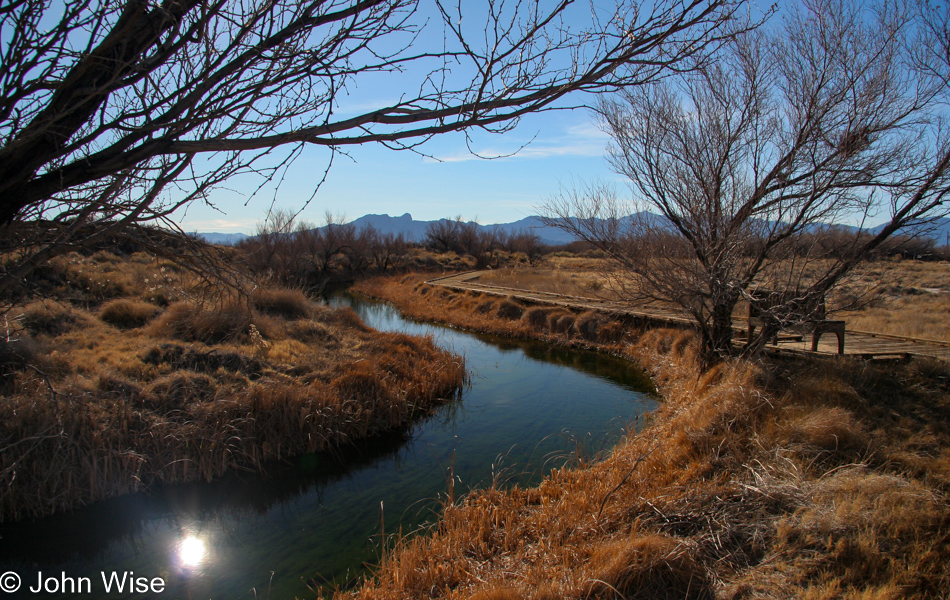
179	389
588	325
826	430
209	325
537	317
647	566
286	303
510	310
128	314
486	306
51	318
563	323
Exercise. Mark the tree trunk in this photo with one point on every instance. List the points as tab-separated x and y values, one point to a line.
717	335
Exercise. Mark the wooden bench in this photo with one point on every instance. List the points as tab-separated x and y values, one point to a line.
805	315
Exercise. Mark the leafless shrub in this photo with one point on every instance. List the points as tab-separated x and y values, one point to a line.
736	182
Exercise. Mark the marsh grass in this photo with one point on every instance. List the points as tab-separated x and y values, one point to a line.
100	400
788	479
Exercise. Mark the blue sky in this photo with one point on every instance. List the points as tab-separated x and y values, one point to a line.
566	146
550	149
562	146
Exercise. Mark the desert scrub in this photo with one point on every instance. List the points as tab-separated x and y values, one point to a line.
784	479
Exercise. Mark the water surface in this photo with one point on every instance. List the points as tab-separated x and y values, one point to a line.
318	519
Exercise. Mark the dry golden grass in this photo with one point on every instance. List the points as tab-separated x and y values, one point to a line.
579	277
290	304
902	297
925	316
127	314
775	481
502	316
911	298
96	404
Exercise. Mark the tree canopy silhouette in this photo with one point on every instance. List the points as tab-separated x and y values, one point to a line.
117	113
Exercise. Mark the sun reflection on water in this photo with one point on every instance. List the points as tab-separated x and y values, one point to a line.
191	551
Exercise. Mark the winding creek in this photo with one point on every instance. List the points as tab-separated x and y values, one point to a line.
318	518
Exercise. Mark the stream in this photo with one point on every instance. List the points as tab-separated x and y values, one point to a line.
318	519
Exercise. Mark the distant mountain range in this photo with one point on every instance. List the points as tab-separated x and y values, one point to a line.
226	239
414	231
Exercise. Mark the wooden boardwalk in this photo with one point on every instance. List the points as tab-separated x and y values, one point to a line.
857	343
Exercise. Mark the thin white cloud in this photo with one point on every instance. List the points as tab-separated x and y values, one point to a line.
578	140
588	131
219	225
362	107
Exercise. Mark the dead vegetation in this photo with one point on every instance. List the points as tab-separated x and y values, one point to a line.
112	392
494	314
783	480
892	296
569	275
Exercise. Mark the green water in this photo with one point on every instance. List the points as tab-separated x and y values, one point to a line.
318	518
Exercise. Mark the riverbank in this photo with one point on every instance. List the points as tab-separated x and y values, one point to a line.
774	480
124	377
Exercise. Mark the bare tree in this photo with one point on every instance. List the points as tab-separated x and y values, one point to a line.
444	235
528	243
267	251
115	113
329	242
463	238
385	251
788	130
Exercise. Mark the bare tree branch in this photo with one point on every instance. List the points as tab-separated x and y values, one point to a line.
748	160
99	102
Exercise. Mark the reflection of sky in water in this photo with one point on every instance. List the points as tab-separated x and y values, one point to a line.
318	518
